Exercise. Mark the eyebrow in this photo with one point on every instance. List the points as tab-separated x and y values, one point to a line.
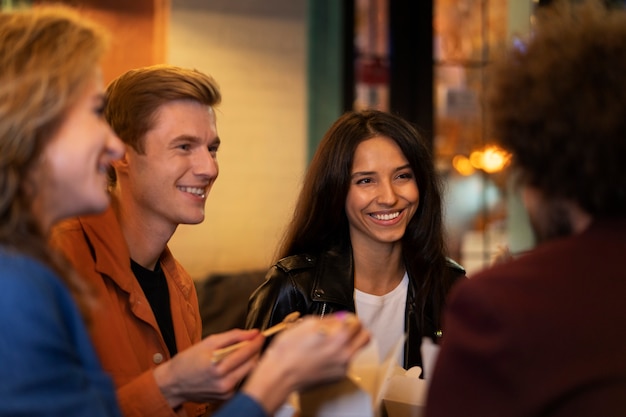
366	173
194	139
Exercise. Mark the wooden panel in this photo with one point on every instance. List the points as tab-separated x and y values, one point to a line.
139	31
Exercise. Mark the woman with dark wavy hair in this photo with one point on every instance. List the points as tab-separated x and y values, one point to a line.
366	237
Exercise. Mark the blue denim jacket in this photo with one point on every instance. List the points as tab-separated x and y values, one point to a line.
49	366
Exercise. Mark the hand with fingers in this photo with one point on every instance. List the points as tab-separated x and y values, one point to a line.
290	319
310	352
194	375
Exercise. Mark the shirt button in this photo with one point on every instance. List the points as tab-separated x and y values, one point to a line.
318	293
157	358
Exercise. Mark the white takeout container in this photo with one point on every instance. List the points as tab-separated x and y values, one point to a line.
373	388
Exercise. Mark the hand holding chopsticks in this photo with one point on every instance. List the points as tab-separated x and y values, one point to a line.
291	318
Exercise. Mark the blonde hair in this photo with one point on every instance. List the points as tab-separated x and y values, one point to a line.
47	57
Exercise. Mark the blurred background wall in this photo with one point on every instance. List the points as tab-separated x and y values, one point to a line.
256	50
288	68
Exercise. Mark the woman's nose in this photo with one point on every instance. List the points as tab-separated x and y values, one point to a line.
387	194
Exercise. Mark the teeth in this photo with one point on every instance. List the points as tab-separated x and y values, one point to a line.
388	216
193	190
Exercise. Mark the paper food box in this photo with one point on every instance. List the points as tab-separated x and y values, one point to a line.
405	394
372	388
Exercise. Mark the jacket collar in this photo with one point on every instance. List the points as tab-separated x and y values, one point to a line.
113	257
334	278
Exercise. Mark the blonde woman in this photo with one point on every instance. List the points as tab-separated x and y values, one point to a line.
55	148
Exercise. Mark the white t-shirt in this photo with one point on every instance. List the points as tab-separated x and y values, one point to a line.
383	316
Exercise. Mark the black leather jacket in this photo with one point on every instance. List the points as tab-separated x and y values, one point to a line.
324	284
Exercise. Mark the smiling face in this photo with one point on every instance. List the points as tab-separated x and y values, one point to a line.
70	179
383	194
170	181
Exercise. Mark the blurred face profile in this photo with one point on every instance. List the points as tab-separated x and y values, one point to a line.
70	178
383	194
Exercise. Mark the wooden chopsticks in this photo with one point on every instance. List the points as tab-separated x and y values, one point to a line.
289	319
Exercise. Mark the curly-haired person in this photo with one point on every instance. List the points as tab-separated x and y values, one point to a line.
541	335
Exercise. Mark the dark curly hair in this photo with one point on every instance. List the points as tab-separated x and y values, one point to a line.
559	105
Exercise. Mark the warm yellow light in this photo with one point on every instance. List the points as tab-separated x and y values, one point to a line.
490	159
476	159
462	165
494	159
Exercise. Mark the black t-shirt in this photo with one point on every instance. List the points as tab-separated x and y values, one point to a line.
154	285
